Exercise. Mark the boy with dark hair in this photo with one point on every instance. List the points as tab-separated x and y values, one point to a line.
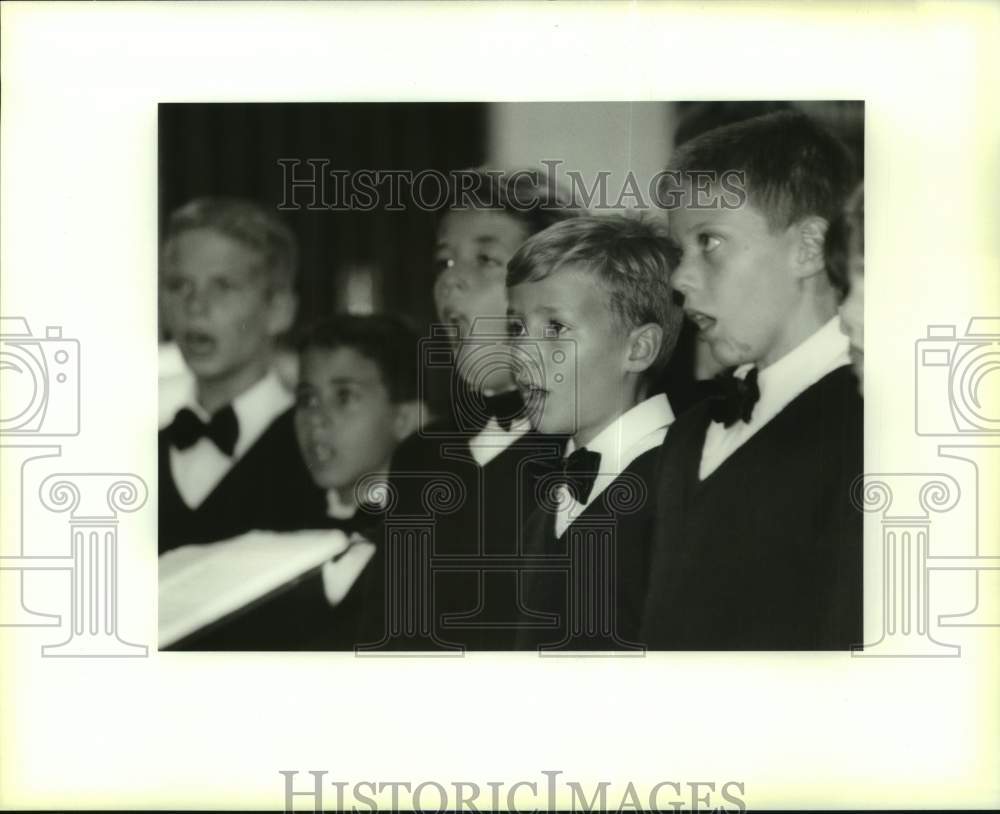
485	442
593	319
228	461
757	544
356	400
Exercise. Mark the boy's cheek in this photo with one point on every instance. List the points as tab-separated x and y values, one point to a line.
557	417
172	314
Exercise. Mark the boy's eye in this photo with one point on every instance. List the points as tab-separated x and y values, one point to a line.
345	396
306	399
554	328
487	261
224	285
515	328
708	243
176	285
442	263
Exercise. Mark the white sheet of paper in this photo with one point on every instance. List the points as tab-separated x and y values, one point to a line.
202	583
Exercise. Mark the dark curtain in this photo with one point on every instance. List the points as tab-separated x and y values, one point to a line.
233	149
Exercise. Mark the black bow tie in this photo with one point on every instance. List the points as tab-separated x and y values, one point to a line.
222	430
505	407
579	471
734	398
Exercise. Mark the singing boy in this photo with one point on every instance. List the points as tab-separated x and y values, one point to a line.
356	400
485	442
228	460
757	544
593	324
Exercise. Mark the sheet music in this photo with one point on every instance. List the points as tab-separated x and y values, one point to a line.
200	584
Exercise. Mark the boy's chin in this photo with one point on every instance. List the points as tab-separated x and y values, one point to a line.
727	356
211	368
329	481
551	425
203	366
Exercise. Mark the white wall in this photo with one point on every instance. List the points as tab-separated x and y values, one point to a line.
588	137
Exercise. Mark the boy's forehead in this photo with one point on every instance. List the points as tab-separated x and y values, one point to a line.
483	225
574	286
208	249
685	219
322	364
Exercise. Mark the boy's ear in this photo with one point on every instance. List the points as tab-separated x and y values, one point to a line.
812	237
407	419
281	311
643	347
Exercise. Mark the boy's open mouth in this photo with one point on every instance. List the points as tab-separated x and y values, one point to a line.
321	453
531	394
703	321
458	320
196	343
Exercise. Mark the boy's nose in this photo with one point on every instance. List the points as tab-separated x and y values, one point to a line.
318	419
196	302
450	283
683	278
452	278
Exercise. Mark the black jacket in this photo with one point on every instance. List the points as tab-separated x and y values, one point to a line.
766	552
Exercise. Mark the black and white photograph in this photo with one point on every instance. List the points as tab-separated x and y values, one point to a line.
416	397
486	406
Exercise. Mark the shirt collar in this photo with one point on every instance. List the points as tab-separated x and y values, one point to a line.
636	431
493	439
255	408
616	442
376	498
337	507
517	427
801	367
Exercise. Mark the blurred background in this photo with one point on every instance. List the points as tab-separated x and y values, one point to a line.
380	260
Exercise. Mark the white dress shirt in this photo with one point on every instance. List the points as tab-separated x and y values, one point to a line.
493	439
779	384
340	574
198	469
636	431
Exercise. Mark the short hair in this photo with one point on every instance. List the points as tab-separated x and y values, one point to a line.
695	118
247	223
386	339
791	166
529	195
844	239
630	256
